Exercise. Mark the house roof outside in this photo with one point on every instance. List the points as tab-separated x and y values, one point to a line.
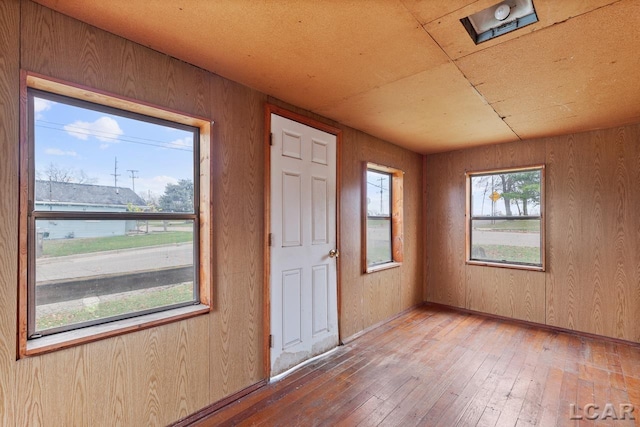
71	192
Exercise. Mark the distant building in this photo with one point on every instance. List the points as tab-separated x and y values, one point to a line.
69	196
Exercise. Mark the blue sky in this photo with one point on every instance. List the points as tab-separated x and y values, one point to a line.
76	138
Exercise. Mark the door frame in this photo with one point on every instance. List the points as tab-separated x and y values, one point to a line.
266	286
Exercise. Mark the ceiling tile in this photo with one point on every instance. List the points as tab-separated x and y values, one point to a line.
374	67
426	11
456	42
436	110
308	53
565	78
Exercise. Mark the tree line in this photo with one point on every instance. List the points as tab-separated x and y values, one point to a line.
518	189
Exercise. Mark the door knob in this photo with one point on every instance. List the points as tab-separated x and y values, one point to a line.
333	253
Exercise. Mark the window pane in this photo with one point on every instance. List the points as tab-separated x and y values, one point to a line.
89	160
378	193
378	241
506	194
89	270
516	241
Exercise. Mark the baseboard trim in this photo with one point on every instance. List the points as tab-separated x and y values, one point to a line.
208	410
380	323
534	324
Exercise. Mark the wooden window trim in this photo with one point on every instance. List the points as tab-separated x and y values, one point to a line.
397	217
26	347
541	217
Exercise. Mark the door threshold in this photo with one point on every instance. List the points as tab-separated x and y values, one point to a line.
301	364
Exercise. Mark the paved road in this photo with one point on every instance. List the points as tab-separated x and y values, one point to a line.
114	262
483	237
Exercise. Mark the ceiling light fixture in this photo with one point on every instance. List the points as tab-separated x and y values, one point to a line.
502	12
499	19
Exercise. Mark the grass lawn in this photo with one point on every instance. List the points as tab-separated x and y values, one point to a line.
378	241
61	247
114	305
173	224
526	254
509	225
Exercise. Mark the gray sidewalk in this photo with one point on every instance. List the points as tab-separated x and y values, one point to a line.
114	262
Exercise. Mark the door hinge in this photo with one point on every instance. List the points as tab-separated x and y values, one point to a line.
270	341
30	208
271	138
270	239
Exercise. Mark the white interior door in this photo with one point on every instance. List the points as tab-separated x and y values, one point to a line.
304	300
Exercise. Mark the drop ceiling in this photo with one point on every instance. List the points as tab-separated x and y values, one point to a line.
405	70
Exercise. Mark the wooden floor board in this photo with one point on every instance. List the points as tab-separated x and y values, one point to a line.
433	366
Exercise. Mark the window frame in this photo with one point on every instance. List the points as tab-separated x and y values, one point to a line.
396	216
469	218
32	83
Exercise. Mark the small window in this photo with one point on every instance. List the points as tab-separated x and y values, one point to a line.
382	229
112	216
505	218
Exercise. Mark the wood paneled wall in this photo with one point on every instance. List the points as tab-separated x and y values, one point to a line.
368	299
592	282
159	375
9	119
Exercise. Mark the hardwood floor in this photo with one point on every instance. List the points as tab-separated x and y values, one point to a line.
433	366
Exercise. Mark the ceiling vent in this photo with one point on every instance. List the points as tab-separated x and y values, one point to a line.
500	19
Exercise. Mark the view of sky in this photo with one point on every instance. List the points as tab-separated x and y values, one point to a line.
85	140
378	200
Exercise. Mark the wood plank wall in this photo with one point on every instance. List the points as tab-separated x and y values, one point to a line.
592	282
9	113
368	299
159	375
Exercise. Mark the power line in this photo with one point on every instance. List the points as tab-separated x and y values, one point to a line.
162	144
88	131
381	180
133	177
378	186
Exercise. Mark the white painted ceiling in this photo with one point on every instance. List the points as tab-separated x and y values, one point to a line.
405	70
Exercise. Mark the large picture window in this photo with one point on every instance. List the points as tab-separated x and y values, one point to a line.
113	215
382	229
505	218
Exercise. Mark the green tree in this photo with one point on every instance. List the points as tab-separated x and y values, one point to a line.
525	188
521	189
507	190
177	197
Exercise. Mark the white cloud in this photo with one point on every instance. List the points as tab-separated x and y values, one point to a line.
59	152
104	129
40	105
185	143
104	146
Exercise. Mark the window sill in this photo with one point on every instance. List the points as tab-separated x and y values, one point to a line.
503	265
76	337
381	267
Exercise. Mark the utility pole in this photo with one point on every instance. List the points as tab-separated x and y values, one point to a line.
133	177
115	175
380	180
